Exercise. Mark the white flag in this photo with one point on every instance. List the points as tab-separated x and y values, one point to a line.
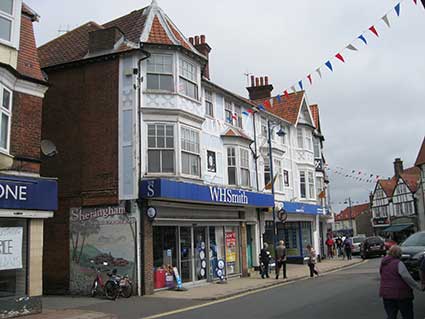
387	22
319	72
351	47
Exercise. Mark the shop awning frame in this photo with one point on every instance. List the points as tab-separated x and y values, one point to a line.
397	228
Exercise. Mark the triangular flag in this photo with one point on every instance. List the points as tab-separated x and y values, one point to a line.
300	83
286	94
373	30
415	1
251	111
387	22
319	72
261	107
309	79
329	65
245	113
293	89
278	98
351	47
397	9
361	37
340	57
266	103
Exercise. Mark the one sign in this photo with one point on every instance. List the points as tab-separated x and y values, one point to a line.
10	248
169	189
381	221
28	193
302	208
282	215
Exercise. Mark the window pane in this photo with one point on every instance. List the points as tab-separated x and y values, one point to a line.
4	130
151	142
232	175
6	6
5	28
168	161
245	177
166	83
153	81
153	161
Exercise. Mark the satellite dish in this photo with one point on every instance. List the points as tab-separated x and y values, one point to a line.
48	148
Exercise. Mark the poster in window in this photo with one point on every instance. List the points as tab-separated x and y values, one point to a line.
286	178
11	248
212	166
230	247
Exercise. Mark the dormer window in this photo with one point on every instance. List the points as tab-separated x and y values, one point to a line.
6	20
160	73
188	79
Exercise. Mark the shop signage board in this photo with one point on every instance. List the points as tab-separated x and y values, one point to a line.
230	247
28	193
301	208
169	189
11	248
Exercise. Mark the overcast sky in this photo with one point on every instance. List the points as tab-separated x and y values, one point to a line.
372	107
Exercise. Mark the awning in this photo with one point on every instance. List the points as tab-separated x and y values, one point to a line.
397	228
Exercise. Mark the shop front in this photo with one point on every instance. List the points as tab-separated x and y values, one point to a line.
400	228
24	204
204	232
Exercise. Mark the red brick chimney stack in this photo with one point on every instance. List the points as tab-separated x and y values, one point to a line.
398	167
202	46
261	89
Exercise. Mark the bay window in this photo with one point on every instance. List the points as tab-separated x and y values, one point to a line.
209	106
191	160
188	79
161	148
5	113
245	180
231	166
303	189
308	140
160	73
300	138
6	20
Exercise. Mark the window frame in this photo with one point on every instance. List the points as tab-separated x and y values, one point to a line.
228	108
300	138
310	181
278	170
308	140
209	103
159	73
12	17
8	113
244	168
233	158
303	184
183	79
196	152
161	149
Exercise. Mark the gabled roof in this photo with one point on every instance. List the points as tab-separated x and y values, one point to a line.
411	177
420	160
388	185
355	212
148	25
234	132
289	107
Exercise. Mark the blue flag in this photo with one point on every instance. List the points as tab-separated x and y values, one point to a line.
261	107
329	65
361	37
245	113
278	98
300	83
397	9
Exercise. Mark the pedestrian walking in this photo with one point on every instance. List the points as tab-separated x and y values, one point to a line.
396	288
348	245
312	261
281	259
330	245
338	243
265	260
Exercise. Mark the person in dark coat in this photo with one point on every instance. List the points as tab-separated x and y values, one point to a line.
348	245
396	288
265	260
281	259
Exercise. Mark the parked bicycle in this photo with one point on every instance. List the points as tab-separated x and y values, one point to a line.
115	286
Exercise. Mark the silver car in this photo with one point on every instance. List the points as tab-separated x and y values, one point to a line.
357	241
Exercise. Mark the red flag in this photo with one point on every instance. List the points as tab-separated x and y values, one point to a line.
415	1
340	57
251	111
266	103
309	79
286	94
373	30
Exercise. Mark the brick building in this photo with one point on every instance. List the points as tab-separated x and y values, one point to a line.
352	221
26	199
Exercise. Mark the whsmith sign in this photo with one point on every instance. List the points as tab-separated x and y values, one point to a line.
173	190
28	193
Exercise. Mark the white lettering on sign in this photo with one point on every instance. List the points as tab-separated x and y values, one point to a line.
16	192
151	189
10	248
224	195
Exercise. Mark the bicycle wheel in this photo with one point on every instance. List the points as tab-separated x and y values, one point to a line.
93	290
127	290
111	290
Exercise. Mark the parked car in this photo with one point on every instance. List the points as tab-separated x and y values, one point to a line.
356	241
372	246
413	250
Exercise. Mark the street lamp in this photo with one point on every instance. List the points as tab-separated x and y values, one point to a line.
280	133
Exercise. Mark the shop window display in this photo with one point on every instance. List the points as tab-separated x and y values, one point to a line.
217	249
231	237
13	252
164	255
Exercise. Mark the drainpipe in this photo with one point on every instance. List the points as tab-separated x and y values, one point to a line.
140	220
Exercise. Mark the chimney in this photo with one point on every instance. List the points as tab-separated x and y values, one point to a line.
202	46
104	39
260	88
398	167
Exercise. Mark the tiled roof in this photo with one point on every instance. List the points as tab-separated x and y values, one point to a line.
420	160
147	25
411	177
355	212
234	132
388	185
315	113
288	108
28	61
69	47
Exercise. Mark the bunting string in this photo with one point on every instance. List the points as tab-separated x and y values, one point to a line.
354	174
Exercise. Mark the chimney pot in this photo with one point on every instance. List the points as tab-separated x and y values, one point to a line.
252	81
197	40
202	39
262	81
398	167
260	88
257	82
266	80
191	40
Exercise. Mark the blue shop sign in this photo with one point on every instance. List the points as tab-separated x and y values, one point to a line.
18	192
169	189
302	208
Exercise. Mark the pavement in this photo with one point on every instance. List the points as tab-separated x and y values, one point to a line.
71	307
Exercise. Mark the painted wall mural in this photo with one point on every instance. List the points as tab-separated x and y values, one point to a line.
100	234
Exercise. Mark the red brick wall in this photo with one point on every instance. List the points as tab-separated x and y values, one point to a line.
81	118
26	131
